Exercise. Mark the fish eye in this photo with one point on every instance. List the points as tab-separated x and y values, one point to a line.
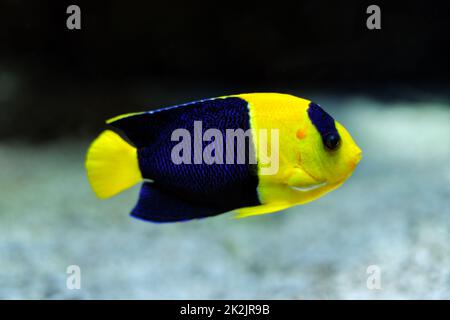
332	141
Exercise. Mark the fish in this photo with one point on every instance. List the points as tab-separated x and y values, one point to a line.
177	153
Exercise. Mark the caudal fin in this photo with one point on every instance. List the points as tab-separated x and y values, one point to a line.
111	165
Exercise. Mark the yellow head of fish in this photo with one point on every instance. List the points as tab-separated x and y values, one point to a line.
315	153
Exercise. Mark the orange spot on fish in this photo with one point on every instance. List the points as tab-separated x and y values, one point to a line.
301	133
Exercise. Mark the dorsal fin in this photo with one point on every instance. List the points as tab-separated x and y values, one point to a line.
141	128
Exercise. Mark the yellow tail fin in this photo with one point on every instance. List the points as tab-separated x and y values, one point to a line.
112	165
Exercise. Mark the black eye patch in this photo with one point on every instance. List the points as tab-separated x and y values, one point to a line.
324	123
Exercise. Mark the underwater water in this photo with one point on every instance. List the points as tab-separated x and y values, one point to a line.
394	212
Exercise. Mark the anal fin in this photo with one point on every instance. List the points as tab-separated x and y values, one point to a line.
158	205
262	209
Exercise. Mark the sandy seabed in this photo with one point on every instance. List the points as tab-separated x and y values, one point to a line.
394	212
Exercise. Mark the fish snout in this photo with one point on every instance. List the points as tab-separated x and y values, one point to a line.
358	156
355	159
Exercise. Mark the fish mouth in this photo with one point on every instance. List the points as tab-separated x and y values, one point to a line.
309	188
314	186
358	157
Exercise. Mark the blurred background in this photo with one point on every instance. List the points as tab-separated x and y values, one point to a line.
389	87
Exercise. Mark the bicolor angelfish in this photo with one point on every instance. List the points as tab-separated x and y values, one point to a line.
315	155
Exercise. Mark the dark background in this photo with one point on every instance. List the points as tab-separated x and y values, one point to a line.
131	56
388	87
